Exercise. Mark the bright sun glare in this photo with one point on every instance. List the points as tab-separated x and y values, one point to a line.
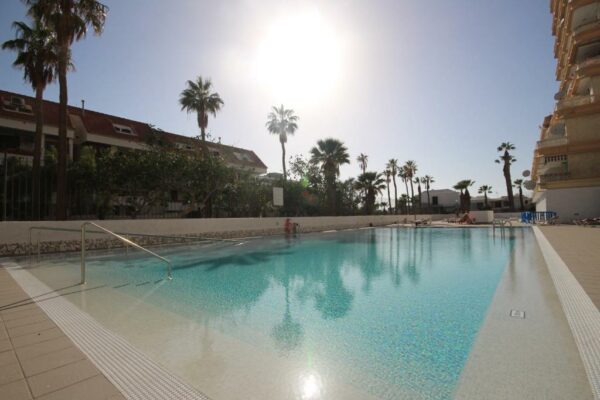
299	58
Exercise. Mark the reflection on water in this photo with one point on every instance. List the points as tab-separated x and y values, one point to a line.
387	310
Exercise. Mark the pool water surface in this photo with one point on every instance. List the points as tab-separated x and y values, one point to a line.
382	313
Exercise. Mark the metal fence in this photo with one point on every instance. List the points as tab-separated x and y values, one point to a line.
83	202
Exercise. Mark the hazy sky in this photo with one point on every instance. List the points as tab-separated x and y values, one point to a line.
441	82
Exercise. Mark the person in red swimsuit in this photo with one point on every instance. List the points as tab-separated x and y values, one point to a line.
287	226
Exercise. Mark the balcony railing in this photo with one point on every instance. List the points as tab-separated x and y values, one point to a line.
552	142
586	26
554	177
588	63
575	101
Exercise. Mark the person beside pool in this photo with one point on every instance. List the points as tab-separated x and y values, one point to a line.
290	227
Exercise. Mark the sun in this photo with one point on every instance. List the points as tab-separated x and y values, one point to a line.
298	60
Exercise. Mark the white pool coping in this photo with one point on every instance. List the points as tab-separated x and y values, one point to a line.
582	315
133	373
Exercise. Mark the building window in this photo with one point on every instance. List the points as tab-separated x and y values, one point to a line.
16	104
126	130
434	200
242	156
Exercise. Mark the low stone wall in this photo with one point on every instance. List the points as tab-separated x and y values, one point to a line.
14	236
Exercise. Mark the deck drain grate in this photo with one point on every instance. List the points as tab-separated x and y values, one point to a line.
517	314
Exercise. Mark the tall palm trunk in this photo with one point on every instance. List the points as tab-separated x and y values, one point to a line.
507	178
485	201
521	198
419	189
331	192
61	175
37	151
370	201
412	194
202	126
467	197
389	198
395	195
283	159
428	199
407	197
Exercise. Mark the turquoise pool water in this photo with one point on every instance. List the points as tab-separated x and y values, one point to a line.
388	312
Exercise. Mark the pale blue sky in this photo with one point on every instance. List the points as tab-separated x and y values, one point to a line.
441	82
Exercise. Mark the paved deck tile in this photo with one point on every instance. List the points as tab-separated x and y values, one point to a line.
37	360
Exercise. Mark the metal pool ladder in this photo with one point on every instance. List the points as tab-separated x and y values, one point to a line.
122	239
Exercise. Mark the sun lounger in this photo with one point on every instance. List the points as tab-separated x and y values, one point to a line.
587	222
420	222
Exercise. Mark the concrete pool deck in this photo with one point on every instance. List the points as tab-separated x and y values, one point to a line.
579	247
37	360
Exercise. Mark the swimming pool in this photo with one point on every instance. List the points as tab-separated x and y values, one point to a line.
374	313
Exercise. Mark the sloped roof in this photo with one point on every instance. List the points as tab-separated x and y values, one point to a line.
50	110
230	154
103	124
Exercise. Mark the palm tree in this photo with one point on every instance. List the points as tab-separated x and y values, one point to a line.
392	165
282	122
465	196
519	184
411	171
330	154
506	159
485	189
68	20
388	176
197	97
362	159
403	174
36	56
372	184
427	180
403	201
418	182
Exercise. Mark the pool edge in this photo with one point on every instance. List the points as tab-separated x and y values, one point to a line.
582	315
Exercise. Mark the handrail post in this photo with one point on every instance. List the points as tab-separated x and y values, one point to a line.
30	243
83	254
38	247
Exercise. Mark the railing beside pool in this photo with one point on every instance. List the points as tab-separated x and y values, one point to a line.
104	230
122	239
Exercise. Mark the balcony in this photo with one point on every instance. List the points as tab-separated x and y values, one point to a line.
575	101
552	142
557	129
554	177
590	62
593	24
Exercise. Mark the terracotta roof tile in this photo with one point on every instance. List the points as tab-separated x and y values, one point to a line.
102	124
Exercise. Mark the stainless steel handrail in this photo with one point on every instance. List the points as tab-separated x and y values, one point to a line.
124	240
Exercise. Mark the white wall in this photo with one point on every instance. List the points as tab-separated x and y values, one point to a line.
18	231
446	197
572	203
